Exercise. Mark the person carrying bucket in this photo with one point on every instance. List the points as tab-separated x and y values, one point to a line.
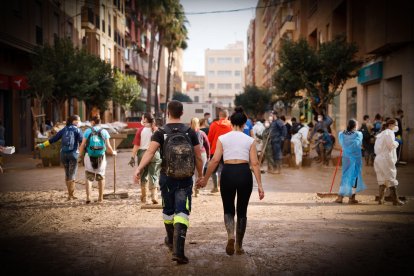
351	181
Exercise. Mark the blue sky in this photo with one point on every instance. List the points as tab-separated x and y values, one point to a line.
214	31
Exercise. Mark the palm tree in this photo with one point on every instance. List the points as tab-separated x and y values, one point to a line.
175	39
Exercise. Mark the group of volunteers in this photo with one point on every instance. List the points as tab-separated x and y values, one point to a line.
180	157
175	157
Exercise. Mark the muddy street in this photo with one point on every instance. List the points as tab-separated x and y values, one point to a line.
291	231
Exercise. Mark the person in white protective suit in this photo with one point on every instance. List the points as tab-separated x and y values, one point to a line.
385	159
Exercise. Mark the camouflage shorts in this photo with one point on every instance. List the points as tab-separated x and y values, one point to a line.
90	176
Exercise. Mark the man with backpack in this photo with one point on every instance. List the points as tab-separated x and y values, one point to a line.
278	134
180	153
95	143
368	141
71	137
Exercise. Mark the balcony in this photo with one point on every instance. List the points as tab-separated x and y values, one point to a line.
88	18
287	26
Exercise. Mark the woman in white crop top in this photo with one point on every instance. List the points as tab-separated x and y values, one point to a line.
239	154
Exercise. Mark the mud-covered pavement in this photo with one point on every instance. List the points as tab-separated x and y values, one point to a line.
291	231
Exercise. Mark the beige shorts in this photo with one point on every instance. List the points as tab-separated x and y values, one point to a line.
90	176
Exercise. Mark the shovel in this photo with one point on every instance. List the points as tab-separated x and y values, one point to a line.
330	194
115	195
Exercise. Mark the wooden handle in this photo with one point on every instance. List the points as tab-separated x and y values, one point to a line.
114	167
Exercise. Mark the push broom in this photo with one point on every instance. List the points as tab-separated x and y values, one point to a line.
330	194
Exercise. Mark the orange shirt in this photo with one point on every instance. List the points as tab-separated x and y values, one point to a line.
217	128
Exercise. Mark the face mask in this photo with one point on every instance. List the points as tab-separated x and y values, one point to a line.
320	119
395	129
209	120
78	124
267	125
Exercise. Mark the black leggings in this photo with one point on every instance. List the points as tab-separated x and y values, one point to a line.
236	179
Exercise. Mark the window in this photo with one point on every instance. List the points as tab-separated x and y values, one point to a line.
38	23
224	60
109	55
196	99
224	73
211	60
224	86
237	60
211	73
56	24
211	86
237	86
103	51
237	73
69	30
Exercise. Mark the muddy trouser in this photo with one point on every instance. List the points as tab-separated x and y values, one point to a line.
269	156
277	151
70	163
152	171
236	179
325	153
176	199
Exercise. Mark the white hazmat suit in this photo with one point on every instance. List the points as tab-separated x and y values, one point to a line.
386	158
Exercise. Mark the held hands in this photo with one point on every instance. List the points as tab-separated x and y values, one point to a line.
114	153
132	162
201	182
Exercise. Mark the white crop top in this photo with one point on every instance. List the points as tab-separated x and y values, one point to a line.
236	145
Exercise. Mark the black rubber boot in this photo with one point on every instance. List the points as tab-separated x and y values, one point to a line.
170	235
381	194
240	230
229	223
180	232
394	195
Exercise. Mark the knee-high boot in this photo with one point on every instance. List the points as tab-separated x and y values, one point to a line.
229	223
240	230
180	232
169	228
144	188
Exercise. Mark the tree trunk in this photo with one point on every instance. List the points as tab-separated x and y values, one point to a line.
150	64
157	99
167	97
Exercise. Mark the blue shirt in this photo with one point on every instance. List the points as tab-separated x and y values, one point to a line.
248	127
78	136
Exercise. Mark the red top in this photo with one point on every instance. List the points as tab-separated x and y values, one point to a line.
137	139
217	128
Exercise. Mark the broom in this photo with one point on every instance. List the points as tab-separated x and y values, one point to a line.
115	195
330	194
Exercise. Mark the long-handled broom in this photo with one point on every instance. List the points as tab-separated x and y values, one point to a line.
115	195
330	194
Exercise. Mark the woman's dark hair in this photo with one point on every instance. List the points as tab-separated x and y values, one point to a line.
96	119
149	117
351	125
72	118
388	123
366	117
238	118
377	116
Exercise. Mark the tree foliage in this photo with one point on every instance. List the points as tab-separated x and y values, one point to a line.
61	72
254	100
126	90
178	96
316	74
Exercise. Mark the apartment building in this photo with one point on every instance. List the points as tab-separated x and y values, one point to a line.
24	25
383	33
250	78
194	86
224	71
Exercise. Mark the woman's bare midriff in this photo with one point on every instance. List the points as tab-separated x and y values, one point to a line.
235	161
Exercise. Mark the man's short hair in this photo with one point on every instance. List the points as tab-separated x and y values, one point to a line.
223	113
207	114
175	109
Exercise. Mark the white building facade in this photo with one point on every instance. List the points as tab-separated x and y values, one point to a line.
224	74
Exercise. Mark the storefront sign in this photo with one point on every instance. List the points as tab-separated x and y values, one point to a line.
19	83
370	73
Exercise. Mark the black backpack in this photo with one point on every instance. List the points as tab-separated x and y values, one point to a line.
178	152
